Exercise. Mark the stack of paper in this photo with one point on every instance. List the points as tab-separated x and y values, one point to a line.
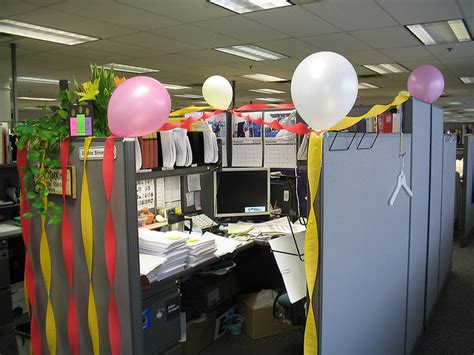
211	150
224	245
168	149
201	248
169	245
184	154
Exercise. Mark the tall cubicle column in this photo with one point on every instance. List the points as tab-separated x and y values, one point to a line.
416	118
5	91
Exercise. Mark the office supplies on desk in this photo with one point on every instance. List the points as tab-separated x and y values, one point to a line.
201	221
238	229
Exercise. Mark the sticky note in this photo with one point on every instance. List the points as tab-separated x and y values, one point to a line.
88	126
81	125
73	126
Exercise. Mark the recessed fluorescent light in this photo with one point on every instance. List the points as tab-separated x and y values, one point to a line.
269	99
37	98
367	86
251	52
128	68
245	6
263	77
441	32
469	109
189	96
467	79
42	33
447	112
386	68
175	87
454	103
268	91
29	79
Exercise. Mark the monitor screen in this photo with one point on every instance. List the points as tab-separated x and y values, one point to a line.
241	192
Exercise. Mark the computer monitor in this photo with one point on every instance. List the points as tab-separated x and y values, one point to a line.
241	192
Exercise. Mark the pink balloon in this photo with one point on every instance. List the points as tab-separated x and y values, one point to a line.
139	106
426	83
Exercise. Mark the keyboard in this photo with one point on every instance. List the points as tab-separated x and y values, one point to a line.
201	221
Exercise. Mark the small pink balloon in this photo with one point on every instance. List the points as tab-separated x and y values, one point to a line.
139	106
426	83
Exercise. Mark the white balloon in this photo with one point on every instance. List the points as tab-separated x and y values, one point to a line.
217	92
324	89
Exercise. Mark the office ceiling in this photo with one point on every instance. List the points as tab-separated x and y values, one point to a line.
178	37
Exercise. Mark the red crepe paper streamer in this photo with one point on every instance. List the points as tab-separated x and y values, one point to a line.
68	254
110	246
29	272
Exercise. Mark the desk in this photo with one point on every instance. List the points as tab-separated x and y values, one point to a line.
9	229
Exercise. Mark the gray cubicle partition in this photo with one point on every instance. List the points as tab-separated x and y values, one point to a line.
467	215
416	118
127	281
434	227
364	245
447	210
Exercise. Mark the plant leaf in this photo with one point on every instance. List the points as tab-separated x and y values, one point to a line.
28	215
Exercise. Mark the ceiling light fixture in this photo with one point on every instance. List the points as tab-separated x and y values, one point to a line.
246	6
263	77
36	98
30	79
269	99
128	68
268	91
175	87
189	96
469	109
367	86
386	68
467	79
251	52
43	33
454	103
441	32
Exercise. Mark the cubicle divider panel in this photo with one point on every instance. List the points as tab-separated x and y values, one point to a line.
434	227
467	223
447	209
416	118
364	245
127	286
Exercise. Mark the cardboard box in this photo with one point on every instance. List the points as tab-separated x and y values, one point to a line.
259	321
199	335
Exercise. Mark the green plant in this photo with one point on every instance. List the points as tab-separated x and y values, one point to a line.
97	92
42	139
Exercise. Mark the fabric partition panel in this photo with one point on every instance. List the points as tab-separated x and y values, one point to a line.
447	211
467	223
434	228
416	118
125	274
364	245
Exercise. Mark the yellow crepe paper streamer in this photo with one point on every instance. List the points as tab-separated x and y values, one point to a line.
374	111
311	250
311	247
88	242
45	264
190	109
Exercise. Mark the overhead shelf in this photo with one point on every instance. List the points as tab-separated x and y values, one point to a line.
200	169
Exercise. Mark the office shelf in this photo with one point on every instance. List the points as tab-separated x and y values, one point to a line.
9	206
200	169
8	166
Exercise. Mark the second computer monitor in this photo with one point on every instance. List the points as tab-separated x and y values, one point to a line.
241	192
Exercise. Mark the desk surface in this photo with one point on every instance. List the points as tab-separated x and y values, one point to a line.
9	229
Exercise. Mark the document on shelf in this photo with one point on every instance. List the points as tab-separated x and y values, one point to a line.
290	266
172	189
194	182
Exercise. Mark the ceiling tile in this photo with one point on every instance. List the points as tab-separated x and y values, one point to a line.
408	53
412	64
15	7
210	56
467	7
159	44
386	37
367	57
291	47
111	12
419	11
352	15
242	28
5	52
460	66
35	45
108	45
169	62
43	2
339	42
293	20
197	36
465	49
73	23
184	10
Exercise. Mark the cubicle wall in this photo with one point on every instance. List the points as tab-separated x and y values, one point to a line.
364	247
467	215
416	118
127	281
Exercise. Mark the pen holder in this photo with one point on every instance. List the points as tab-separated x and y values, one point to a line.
234	324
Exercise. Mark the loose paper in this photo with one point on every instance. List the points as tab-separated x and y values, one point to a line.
145	194
172	188
189	199
194	182
148	263
160	193
197	200
290	266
